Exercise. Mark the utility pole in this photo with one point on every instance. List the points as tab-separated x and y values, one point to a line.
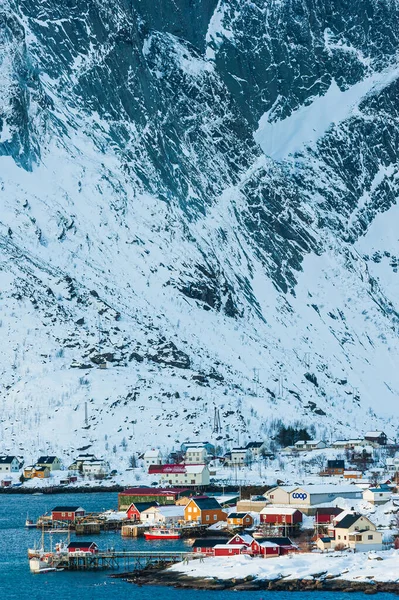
217	426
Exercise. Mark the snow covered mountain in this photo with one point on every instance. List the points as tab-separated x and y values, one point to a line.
203	194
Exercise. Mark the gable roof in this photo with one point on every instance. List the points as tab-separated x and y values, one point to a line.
80	544
335	464
347	521
205	503
208	542
7	460
236	515
66	508
254	445
332	510
279	541
141	506
47	460
374	434
278	511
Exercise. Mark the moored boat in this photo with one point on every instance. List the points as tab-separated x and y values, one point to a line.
158	533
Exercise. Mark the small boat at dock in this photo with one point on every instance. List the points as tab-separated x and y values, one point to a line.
159	533
30	524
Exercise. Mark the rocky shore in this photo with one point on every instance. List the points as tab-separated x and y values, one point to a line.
319	582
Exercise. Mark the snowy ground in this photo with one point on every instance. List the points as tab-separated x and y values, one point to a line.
379	566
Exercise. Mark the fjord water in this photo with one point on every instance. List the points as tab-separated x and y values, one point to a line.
16	581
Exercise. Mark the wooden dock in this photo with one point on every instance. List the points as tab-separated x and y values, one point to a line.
116	559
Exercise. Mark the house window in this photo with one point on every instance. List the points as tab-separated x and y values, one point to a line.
339	537
344	537
215	517
369	537
189	509
207	518
62	514
230	550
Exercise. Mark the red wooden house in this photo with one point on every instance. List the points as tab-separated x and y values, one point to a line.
80	546
206	545
229	549
67	513
280	516
286	546
266	548
325	516
134	510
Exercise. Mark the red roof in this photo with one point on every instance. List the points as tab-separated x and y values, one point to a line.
149	491
166	469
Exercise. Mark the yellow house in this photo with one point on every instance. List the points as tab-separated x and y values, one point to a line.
204	510
36	471
241	519
357	532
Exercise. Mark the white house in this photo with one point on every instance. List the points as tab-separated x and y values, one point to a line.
255	448
196	455
378	495
9	464
163	514
357	532
239	457
181	475
95	468
152	457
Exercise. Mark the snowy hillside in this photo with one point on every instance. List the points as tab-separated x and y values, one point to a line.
203	195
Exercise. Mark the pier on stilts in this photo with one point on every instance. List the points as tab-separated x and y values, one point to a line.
115	559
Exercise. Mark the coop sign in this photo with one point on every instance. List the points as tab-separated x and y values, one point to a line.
299	495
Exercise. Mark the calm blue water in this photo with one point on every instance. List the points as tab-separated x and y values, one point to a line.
16	581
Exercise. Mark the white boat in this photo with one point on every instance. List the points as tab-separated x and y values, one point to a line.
158	533
38	565
30	524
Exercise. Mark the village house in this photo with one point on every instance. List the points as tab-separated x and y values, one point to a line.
334	467
67	513
152	457
6	482
185	474
326	515
378	495
349	444
161	496
266	545
80	546
30	472
96	468
206	545
357	532
164	515
280	516
239	457
136	508
255	448
240	519
204	510
210	448
79	460
310	445
353	474
376	438
53	463
9	464
196	455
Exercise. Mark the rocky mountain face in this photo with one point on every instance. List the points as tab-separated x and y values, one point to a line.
202	195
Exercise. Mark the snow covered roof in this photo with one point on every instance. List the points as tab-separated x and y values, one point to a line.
268	544
170	511
195	468
196	449
152	453
278	511
230	546
327	488
374	434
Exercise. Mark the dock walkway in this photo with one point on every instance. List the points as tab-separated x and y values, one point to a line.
116	559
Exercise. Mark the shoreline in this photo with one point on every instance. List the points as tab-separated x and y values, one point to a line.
168	578
62	490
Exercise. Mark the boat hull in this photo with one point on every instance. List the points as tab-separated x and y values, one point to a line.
159	535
